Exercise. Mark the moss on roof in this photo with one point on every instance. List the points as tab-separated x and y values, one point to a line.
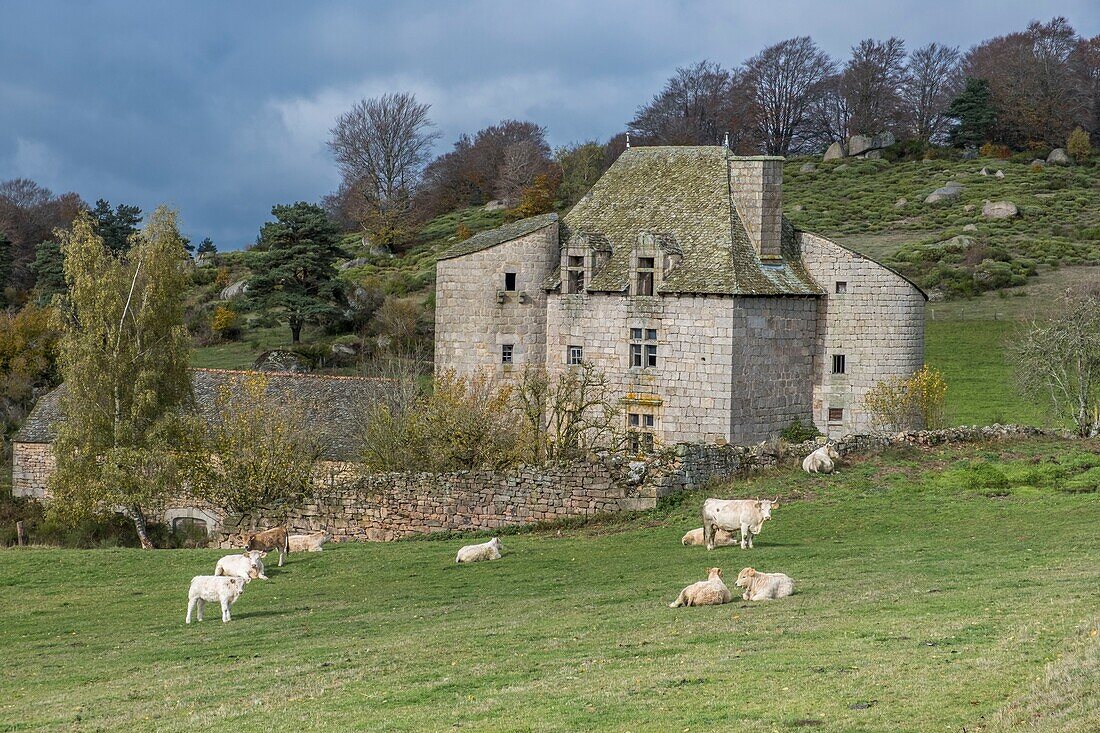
334	406
681	196
500	235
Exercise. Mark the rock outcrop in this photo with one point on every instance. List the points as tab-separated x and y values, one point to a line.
999	210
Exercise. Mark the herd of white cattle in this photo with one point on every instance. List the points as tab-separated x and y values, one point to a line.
722	518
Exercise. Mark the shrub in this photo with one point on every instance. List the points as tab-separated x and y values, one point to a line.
908	403
797	432
225	323
1078	145
463	232
993	150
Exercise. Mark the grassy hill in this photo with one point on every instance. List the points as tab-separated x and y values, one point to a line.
929	597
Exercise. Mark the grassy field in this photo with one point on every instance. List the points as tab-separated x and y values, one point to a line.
932	589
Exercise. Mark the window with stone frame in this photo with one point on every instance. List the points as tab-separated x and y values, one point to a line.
644	276
506	351
574	355
574	268
836	414
841	287
184	524
510	281
643	347
839	364
640	429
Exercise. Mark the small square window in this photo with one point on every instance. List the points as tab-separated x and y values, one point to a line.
836	414
838	363
510	281
650	355
635	419
841	286
574	355
506	353
651	334
576	261
648	421
636	334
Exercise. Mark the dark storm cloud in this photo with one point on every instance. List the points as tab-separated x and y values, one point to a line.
222	109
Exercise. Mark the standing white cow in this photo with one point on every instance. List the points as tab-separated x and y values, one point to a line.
821	460
222	589
747	515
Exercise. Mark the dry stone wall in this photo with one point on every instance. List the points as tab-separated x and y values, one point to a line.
32	466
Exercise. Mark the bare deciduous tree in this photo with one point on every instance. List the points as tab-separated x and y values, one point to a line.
829	114
1058	359
697	106
781	78
569	413
382	145
872	82
932	80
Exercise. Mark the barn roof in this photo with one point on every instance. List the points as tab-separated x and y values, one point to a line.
334	405
500	235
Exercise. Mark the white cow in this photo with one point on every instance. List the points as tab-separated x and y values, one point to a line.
821	460
764	586
225	589
722	538
709	592
247	565
485	551
308	542
747	515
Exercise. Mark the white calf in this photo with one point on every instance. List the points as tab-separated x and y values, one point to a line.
221	588
308	542
764	586
709	592
247	565
722	538
485	551
821	460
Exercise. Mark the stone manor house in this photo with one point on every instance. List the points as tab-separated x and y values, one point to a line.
678	277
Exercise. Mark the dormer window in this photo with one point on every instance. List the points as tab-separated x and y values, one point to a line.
600	258
645	272
575	274
510	281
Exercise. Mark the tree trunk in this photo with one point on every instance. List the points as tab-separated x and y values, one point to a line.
295	332
139	524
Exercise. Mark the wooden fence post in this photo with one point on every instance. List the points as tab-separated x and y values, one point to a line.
20	533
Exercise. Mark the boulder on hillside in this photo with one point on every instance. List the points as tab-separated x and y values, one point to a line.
984	171
281	360
807	168
1059	156
970	154
901	203
1039	162
859	144
999	210
231	291
495	205
835	151
999	174
872	155
944	193
357	262
842	167
970	228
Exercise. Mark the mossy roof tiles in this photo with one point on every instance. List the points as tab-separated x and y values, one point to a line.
500	235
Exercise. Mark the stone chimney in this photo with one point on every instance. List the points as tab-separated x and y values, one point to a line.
756	189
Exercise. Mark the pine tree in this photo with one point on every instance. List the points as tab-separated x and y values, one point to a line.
296	266
116	227
206	247
123	358
49	271
974	114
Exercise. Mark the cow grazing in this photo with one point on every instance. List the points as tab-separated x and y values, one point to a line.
821	460
764	586
709	592
308	542
746	515
247	565
722	538
474	553
223	589
269	540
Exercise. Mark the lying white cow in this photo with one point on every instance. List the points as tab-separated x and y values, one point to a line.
308	542
746	515
764	586
709	592
722	538
224	589
485	551
247	565
821	460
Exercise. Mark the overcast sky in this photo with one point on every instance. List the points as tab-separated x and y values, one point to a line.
221	109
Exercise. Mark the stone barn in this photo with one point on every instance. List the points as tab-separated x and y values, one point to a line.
678	277
334	407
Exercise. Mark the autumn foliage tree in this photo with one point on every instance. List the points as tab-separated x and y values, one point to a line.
123	358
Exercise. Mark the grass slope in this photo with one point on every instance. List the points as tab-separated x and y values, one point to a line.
932	589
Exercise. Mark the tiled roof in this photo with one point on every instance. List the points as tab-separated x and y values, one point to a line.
334	406
493	237
681	196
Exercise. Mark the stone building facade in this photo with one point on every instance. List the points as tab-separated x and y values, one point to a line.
679	279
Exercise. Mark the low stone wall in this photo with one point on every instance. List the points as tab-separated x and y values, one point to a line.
32	464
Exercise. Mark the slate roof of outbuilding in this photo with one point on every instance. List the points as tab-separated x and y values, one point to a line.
493	237
334	405
681	195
